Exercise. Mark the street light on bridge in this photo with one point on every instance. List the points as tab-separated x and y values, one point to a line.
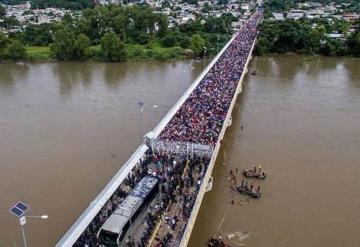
19	210
204	56
141	109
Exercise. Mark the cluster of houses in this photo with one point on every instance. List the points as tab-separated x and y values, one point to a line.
330	12
178	11
25	15
311	10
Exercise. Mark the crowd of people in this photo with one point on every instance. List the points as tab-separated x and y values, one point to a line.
201	117
179	184
199	120
89	237
179	179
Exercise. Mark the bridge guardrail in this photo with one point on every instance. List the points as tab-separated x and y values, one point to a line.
190	225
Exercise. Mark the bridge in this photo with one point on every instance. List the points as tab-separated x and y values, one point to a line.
180	152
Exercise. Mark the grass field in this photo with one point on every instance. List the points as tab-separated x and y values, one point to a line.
134	52
38	52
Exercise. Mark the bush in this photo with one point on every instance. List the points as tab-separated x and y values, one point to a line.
16	50
143	38
113	48
185	42
168	41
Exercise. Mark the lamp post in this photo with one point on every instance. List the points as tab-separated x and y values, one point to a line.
141	109
22	221
217	49
19	210
204	56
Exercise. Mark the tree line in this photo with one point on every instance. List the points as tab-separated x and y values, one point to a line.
41	4
110	28
307	37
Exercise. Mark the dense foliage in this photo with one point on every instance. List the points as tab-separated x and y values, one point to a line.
67	4
113	47
114	33
11	48
2	11
304	36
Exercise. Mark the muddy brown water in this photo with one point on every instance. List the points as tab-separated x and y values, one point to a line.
301	121
66	128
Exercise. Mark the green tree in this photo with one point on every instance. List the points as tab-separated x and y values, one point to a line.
113	48
185	42
63	46
354	44
329	48
82	43
262	46
163	25
2	12
38	35
4	40
197	44
222	2
169	40
16	50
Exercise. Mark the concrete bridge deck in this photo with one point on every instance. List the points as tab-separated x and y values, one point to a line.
100	201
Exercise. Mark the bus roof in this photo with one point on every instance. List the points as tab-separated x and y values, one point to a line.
144	187
116	222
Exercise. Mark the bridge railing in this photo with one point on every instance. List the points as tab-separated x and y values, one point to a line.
166	119
181	147
191	222
96	205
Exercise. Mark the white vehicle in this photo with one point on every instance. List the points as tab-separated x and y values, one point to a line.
115	227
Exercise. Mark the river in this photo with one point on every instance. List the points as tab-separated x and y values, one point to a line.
66	128
301	121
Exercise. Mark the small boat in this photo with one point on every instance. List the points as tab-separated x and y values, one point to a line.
254	72
247	191
217	242
254	173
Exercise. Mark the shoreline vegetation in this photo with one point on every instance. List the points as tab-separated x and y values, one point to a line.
134	52
330	36
308	38
116	33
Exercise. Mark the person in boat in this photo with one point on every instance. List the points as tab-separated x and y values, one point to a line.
246	185
252	186
242	183
258	189
254	169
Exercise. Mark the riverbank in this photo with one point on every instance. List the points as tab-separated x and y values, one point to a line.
134	52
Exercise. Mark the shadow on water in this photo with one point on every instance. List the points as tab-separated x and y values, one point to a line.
352	66
72	75
283	67
12	72
114	74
